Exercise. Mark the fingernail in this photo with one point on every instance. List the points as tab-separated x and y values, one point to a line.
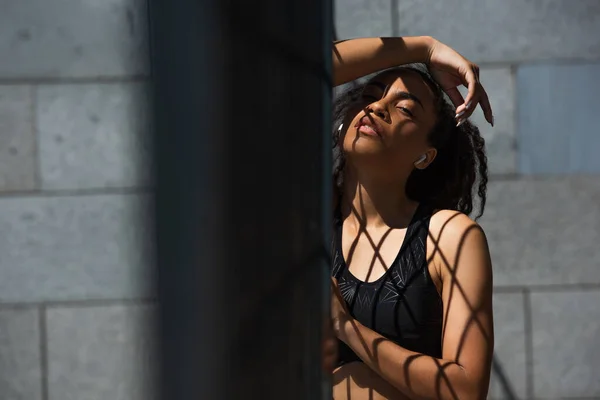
469	104
460	114
460	122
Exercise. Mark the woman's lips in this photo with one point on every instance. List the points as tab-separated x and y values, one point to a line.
368	126
367	130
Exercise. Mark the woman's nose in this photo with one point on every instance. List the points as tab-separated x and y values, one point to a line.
378	109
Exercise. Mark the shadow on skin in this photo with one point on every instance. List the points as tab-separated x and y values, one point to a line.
361	380
358	381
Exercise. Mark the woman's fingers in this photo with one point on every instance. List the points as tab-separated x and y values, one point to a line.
450	69
455	97
459	103
486	107
475	69
476	95
473	86
482	97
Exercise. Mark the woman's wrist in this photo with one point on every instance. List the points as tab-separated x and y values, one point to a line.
344	327
406	50
428	46
420	48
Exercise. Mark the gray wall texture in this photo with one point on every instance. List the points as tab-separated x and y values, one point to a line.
75	290
75	295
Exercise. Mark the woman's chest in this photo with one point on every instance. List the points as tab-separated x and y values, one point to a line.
398	305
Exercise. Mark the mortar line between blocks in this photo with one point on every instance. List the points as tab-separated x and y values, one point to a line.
529	366
140	190
43	330
37	173
70	80
79	303
394	17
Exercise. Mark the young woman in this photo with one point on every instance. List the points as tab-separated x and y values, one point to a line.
412	280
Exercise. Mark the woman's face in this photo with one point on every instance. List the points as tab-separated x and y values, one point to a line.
390	124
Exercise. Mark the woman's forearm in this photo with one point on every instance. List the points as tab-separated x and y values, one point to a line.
355	380
417	376
355	58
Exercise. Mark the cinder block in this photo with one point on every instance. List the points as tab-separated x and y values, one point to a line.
73	39
544	231
101	353
506	31
509	373
17	139
78	247
556	137
500	139
20	363
361	18
566	355
94	135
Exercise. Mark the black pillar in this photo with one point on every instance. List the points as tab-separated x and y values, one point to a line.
242	122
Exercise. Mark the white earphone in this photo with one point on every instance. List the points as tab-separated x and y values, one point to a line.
421	159
340	128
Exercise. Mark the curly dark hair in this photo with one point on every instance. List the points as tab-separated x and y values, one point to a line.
460	165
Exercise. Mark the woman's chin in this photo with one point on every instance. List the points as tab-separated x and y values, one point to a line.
362	147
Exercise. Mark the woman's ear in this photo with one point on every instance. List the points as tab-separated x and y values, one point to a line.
426	159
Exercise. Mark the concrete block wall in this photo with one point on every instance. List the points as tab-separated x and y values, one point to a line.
75	284
540	63
74	301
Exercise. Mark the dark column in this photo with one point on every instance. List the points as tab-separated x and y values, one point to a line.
242	122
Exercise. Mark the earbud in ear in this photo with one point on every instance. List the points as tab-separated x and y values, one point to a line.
421	159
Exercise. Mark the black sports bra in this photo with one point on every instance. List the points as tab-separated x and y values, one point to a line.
403	305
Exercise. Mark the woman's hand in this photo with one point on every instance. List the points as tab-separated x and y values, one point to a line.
333	328
339	313
451	70
330	347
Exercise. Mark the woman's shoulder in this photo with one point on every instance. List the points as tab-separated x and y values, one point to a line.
452	229
461	251
451	220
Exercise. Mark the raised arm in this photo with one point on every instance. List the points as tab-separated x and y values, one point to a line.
356	58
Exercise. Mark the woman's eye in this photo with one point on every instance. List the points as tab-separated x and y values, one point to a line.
405	111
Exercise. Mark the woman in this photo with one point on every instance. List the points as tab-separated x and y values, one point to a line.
412	281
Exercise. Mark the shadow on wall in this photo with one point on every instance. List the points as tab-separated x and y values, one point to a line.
508	392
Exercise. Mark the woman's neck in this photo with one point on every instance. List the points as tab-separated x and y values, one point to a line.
374	202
